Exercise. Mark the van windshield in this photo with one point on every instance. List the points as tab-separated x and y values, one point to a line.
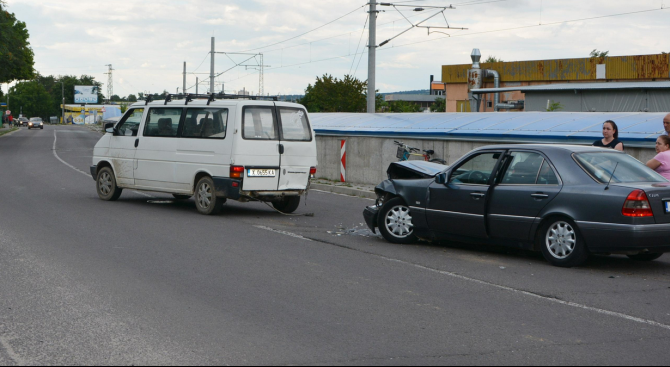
294	125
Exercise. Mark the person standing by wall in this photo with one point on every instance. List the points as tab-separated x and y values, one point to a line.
666	124
610	137
661	163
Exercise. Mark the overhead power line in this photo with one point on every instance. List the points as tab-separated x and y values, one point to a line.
310	31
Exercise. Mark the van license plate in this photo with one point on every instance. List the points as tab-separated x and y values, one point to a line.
261	173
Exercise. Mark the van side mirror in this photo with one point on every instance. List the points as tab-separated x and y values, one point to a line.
441	178
109	125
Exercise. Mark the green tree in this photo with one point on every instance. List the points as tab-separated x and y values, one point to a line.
16	56
555	106
32	98
64	85
116	98
329	94
440	105
132	98
493	59
403	106
599	54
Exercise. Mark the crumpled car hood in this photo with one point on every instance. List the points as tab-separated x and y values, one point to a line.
414	170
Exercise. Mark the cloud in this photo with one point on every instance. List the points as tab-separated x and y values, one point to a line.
147	42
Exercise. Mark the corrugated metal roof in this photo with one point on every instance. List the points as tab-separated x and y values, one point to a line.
618	67
635	129
578	86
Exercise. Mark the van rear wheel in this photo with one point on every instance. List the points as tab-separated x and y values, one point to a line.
288	204
205	197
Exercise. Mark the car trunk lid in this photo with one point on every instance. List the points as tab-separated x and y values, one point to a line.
658	195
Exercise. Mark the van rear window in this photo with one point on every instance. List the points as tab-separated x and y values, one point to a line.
259	124
294	125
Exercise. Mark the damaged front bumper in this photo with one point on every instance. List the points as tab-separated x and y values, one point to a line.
371	214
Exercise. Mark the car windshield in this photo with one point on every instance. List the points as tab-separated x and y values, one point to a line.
625	168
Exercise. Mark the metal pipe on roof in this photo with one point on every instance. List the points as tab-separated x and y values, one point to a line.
475	80
496	84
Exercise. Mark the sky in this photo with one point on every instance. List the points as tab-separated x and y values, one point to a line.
147	42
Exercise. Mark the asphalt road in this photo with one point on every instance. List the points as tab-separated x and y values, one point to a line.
146	280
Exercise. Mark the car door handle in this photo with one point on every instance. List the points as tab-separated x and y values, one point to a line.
137	142
539	196
477	195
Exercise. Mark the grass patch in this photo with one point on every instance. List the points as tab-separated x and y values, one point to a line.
8	131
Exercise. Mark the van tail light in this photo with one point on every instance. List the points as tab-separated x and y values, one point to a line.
637	205
236	172
312	172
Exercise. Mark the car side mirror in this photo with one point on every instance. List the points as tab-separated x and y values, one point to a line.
441	178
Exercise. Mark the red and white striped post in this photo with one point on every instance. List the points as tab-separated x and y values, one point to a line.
343	161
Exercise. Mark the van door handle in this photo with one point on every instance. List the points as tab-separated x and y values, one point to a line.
137	142
281	148
539	196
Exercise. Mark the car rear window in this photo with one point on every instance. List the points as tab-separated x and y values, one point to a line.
617	167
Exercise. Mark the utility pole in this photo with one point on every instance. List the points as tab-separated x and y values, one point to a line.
261	82
196	85
110	86
183	89
62	106
211	69
372	56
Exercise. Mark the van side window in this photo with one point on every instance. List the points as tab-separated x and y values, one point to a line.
294	125
163	122
259	123
208	123
131	123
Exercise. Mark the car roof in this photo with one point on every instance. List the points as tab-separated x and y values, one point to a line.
550	148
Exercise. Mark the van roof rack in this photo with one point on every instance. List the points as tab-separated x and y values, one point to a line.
189	97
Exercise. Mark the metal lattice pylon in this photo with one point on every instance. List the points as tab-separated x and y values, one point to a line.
110	84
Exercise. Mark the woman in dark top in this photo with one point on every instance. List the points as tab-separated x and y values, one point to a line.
610	137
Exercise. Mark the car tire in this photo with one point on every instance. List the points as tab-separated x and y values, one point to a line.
106	185
645	257
288	204
181	197
395	222
561	243
205	198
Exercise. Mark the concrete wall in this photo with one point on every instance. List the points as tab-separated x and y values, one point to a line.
368	158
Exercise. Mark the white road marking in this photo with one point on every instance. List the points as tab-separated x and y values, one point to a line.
10	352
335	193
284	233
501	287
82	172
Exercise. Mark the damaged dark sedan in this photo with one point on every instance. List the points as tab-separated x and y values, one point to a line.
566	201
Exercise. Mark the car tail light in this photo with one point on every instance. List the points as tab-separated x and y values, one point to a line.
637	205
236	171
312	172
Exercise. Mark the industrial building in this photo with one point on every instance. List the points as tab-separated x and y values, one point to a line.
597	84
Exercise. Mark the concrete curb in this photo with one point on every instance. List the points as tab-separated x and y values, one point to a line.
344	191
10	133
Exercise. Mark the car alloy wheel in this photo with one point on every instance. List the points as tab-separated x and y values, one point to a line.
561	240
399	222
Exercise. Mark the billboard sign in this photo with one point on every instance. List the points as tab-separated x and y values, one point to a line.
85	94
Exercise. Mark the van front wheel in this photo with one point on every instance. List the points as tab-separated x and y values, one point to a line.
288	204
205	197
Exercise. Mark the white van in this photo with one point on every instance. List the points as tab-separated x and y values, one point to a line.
215	149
